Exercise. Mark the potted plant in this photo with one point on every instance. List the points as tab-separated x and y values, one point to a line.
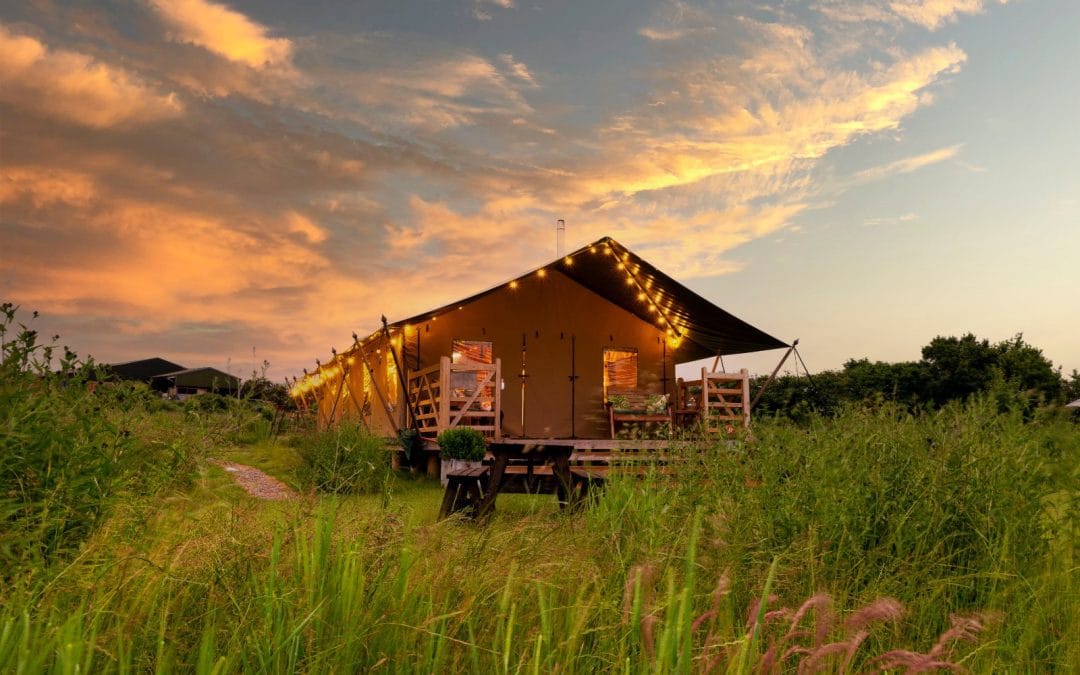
460	448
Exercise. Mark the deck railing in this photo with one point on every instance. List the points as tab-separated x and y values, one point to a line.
449	395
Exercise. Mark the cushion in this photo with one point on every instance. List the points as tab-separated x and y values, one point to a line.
619	402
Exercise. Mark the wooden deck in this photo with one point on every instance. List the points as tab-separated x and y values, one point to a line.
586	444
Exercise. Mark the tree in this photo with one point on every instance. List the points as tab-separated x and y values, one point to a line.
1072	386
956	368
1026	367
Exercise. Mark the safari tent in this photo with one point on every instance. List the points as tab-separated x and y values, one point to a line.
536	356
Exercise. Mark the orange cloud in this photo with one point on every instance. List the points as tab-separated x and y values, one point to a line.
43	187
74	87
223	31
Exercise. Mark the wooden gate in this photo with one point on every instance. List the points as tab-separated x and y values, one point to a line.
725	398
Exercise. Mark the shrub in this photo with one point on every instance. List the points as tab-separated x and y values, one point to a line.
67	451
343	460
461	443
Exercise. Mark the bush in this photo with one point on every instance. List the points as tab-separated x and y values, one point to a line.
344	460
67	451
462	443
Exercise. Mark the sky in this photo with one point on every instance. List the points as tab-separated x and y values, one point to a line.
227	183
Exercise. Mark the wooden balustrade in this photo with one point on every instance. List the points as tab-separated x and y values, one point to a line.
449	395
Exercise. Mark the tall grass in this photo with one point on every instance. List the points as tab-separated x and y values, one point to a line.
873	540
342	460
73	447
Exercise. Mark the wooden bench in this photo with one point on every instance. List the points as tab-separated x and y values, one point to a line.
465	490
635	410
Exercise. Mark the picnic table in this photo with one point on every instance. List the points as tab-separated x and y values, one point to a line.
522	468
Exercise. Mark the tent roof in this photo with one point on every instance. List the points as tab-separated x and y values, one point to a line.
1074	404
616	273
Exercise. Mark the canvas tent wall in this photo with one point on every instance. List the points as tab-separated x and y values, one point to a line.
550	329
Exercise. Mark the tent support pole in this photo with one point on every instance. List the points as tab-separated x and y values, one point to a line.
352	397
337	397
753	404
410	420
718	361
375	386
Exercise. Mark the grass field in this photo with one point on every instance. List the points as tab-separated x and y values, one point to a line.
869	536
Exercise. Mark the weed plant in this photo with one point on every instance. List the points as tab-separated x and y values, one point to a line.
343	460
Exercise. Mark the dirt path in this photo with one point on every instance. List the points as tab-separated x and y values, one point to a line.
255	482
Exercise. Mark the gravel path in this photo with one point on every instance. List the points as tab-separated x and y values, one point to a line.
255	482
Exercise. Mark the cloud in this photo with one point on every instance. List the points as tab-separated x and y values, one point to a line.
854	11
907	164
660	35
518	69
223	31
932	14
75	87
763	116
295	199
434	92
676	20
891	220
480	12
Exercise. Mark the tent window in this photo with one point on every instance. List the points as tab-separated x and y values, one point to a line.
620	369
472	351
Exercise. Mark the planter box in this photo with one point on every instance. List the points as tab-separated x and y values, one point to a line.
449	465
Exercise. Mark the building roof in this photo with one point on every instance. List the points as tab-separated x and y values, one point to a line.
142	370
203	378
616	273
1074	404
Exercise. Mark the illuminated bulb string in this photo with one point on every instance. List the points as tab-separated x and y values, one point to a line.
674	330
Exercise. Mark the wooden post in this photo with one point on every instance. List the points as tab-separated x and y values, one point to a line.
498	400
444	394
704	405
745	397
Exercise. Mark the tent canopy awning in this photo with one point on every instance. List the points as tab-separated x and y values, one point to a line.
609	269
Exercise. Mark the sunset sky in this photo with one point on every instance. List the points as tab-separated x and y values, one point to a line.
193	179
